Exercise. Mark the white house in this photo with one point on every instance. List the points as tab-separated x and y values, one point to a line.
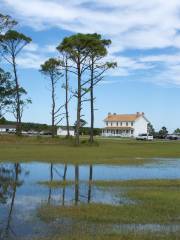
62	131
125	125
7	128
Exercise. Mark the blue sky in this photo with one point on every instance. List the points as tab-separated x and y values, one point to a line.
145	43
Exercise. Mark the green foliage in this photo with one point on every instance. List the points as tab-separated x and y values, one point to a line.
2	120
162	133
11	44
6	91
51	67
177	131
13	36
82	123
86	131
151	130
76	46
6	22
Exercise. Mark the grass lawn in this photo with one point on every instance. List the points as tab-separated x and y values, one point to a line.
60	150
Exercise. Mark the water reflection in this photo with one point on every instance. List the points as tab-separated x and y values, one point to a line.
90	182
82	191
21	195
64	188
9	181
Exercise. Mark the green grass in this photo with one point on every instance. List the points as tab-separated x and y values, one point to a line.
60	150
156	183
139	183
125	236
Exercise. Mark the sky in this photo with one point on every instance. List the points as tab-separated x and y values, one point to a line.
145	44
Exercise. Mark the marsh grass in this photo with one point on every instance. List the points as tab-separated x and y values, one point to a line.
157	183
56	184
157	202
152	183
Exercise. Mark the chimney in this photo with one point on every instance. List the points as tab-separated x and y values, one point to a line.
114	113
138	114
109	113
142	113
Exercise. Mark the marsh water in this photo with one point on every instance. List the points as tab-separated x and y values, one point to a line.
21	194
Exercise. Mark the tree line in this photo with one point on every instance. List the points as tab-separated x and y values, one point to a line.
162	133
81	56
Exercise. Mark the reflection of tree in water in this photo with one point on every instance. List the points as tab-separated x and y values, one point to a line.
90	183
51	179
77	196
76	184
9	181
6	180
64	188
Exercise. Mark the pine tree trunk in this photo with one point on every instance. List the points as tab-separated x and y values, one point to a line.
78	105
66	105
53	106
92	104
18	110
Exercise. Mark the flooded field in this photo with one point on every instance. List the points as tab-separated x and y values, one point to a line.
25	189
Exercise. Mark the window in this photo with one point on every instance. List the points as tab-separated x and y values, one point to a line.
127	131
117	124
121	124
132	123
106	123
132	131
126	123
111	124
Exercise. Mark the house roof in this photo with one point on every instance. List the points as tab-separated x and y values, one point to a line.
2	126
123	117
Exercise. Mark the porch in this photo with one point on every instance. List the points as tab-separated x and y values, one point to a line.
118	132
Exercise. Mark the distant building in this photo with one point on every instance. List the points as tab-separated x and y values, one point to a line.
125	125
7	128
62	131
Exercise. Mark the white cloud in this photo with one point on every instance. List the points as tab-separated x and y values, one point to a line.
32	47
30	60
51	48
131	24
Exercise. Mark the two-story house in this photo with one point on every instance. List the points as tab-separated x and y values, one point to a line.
125	125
